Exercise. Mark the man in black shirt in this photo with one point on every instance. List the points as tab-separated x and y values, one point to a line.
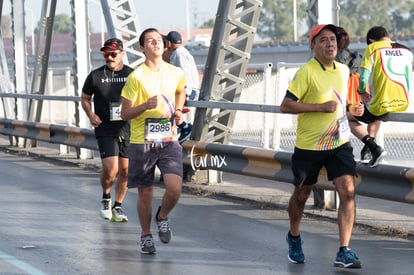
112	133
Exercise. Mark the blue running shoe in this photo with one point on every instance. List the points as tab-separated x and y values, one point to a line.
347	258
184	131
295	255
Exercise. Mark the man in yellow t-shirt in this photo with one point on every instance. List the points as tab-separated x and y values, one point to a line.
153	98
386	67
318	95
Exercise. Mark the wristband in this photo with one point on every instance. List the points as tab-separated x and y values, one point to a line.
179	110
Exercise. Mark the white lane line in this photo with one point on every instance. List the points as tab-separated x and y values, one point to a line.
19	264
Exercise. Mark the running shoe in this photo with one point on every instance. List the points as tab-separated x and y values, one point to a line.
106	212
347	258
118	215
365	154
147	244
295	255
164	230
377	156
185	131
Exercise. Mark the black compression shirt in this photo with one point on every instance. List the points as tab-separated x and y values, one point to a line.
105	86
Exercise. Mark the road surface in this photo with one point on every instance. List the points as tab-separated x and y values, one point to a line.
50	224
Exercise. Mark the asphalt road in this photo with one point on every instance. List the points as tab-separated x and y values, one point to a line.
50	224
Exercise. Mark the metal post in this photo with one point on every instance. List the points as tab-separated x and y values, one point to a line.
187	18
295	23
68	88
267	77
50	92
278	120
20	62
6	86
64	149
83	61
379	138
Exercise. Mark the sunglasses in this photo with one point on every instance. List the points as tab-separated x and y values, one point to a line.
112	54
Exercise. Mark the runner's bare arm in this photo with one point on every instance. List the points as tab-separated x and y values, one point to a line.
129	111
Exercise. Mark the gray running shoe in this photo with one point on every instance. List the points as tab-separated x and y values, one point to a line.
164	230
147	244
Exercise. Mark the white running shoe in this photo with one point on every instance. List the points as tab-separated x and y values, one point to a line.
118	215
106	212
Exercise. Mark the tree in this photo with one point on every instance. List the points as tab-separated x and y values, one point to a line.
62	23
358	16
6	26
208	24
276	18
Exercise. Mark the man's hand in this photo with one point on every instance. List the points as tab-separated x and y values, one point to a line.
95	120
356	109
152	103
178	117
328	107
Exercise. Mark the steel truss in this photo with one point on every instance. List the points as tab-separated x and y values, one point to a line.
226	66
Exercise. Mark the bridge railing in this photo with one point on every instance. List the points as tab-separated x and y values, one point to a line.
384	181
388	182
51	133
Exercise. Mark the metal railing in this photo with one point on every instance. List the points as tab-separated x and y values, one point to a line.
385	181
52	133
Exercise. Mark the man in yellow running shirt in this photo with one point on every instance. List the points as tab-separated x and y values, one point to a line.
153	99
386	67
318	95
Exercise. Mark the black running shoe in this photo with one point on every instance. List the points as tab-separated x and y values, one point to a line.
365	154
377	156
185	131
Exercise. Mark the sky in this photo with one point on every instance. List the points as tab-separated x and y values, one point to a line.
161	14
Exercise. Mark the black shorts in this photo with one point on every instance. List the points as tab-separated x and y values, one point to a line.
112	147
367	117
306	164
